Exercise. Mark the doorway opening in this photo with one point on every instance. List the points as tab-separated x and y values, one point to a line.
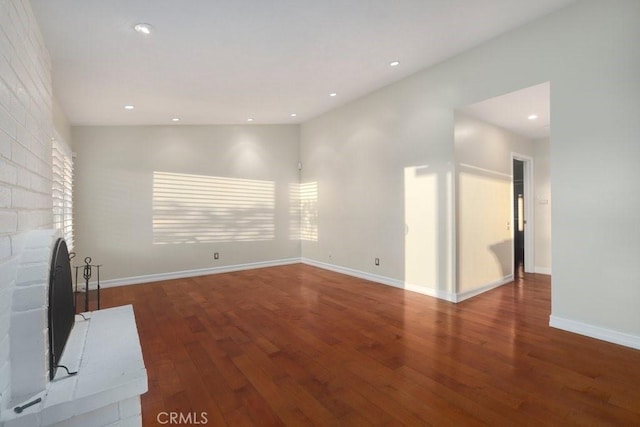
518	218
522	215
498	203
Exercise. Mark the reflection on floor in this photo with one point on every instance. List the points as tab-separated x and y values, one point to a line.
297	345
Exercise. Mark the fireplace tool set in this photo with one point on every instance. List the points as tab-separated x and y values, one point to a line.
87	271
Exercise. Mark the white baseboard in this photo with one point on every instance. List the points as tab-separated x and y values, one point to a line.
380	279
193	273
461	296
542	270
597	332
447	296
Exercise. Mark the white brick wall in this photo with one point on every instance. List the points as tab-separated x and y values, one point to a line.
29	333
25	151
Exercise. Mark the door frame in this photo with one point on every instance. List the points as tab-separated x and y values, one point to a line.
529	194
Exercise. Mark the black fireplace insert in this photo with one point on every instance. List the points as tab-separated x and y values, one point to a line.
61	304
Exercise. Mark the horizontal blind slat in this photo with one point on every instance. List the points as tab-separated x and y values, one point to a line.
62	190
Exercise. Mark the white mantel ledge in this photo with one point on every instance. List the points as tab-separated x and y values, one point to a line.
105	350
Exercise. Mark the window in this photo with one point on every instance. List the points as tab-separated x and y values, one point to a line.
62	190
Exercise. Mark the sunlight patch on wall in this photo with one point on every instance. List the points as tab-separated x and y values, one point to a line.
303	199
202	209
484	235
421	226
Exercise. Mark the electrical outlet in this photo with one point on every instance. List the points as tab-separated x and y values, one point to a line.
216	255
377	261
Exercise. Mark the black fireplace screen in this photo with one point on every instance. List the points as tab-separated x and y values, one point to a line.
61	308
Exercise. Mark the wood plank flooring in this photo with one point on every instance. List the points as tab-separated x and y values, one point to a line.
296	345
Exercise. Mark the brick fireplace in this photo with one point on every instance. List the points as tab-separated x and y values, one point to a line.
103	348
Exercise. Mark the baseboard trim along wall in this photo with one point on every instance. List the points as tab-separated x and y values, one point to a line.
542	270
597	332
461	296
380	279
135	280
447	296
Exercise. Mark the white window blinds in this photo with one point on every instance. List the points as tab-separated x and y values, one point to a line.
62	191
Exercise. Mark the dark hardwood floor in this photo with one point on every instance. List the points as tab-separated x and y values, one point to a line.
297	345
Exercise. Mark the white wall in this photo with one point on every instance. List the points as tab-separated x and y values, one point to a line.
60	123
25	151
380	171
358	154
542	207
115	203
484	196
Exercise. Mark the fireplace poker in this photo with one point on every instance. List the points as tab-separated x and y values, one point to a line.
98	271
19	409
72	255
75	295
87	275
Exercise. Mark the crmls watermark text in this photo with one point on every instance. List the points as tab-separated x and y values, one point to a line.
177	418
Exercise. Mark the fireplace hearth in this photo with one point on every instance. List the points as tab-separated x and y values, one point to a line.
103	347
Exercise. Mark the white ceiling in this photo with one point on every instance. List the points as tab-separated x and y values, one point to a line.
512	111
223	61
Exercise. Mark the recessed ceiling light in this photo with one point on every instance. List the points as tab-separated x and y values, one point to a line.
394	63
143	28
533	117
250	119
129	107
293	114
333	94
175	119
